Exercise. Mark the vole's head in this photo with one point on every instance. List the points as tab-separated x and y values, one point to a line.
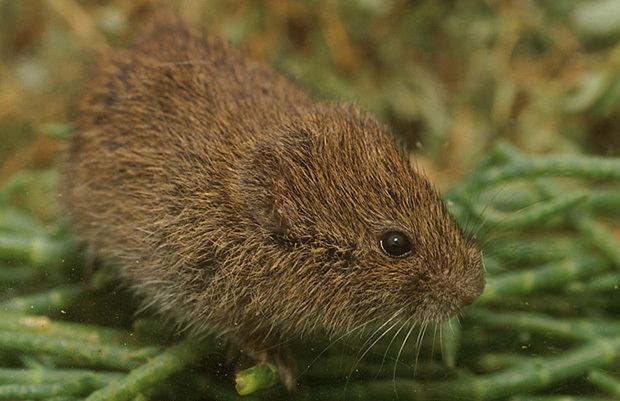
352	231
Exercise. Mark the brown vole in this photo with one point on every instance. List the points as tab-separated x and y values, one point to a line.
237	204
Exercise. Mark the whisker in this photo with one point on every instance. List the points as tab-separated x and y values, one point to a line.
379	328
276	345
434	337
483	223
400	351
368	350
441	341
332	343
418	345
402	326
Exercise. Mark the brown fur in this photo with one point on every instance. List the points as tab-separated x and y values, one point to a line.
236	203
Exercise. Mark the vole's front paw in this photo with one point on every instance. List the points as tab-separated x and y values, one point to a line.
287	368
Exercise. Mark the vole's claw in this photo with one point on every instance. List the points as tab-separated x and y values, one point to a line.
287	368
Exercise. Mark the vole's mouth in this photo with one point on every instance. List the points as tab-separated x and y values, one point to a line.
446	302
438	313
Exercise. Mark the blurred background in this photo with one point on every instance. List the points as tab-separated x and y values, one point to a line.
456	81
449	77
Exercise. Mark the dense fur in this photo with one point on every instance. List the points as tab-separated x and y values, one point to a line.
236	203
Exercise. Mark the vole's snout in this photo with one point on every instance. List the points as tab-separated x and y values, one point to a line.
469	296
473	284
460	285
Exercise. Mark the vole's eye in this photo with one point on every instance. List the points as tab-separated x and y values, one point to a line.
395	244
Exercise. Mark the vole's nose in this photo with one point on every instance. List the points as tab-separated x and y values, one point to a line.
473	291
469	298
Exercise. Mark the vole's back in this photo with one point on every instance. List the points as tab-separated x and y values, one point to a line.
177	82
161	132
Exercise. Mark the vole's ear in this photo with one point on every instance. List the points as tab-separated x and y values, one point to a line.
273	182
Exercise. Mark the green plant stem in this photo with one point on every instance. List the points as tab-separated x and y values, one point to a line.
522	251
521	166
602	283
518	195
604	200
493	265
529	376
19	275
258	377
19	222
492	362
559	398
558	303
40	391
567	328
509	196
17	182
172	360
74	331
60	130
31	362
115	357
42	376
551	275
600	236
606	382
47	302
589	167
529	216
39	250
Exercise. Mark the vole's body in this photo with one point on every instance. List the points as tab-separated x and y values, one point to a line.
238	204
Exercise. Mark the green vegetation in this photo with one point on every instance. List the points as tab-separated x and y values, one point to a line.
513	108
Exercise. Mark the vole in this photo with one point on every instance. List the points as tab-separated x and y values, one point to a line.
239	205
